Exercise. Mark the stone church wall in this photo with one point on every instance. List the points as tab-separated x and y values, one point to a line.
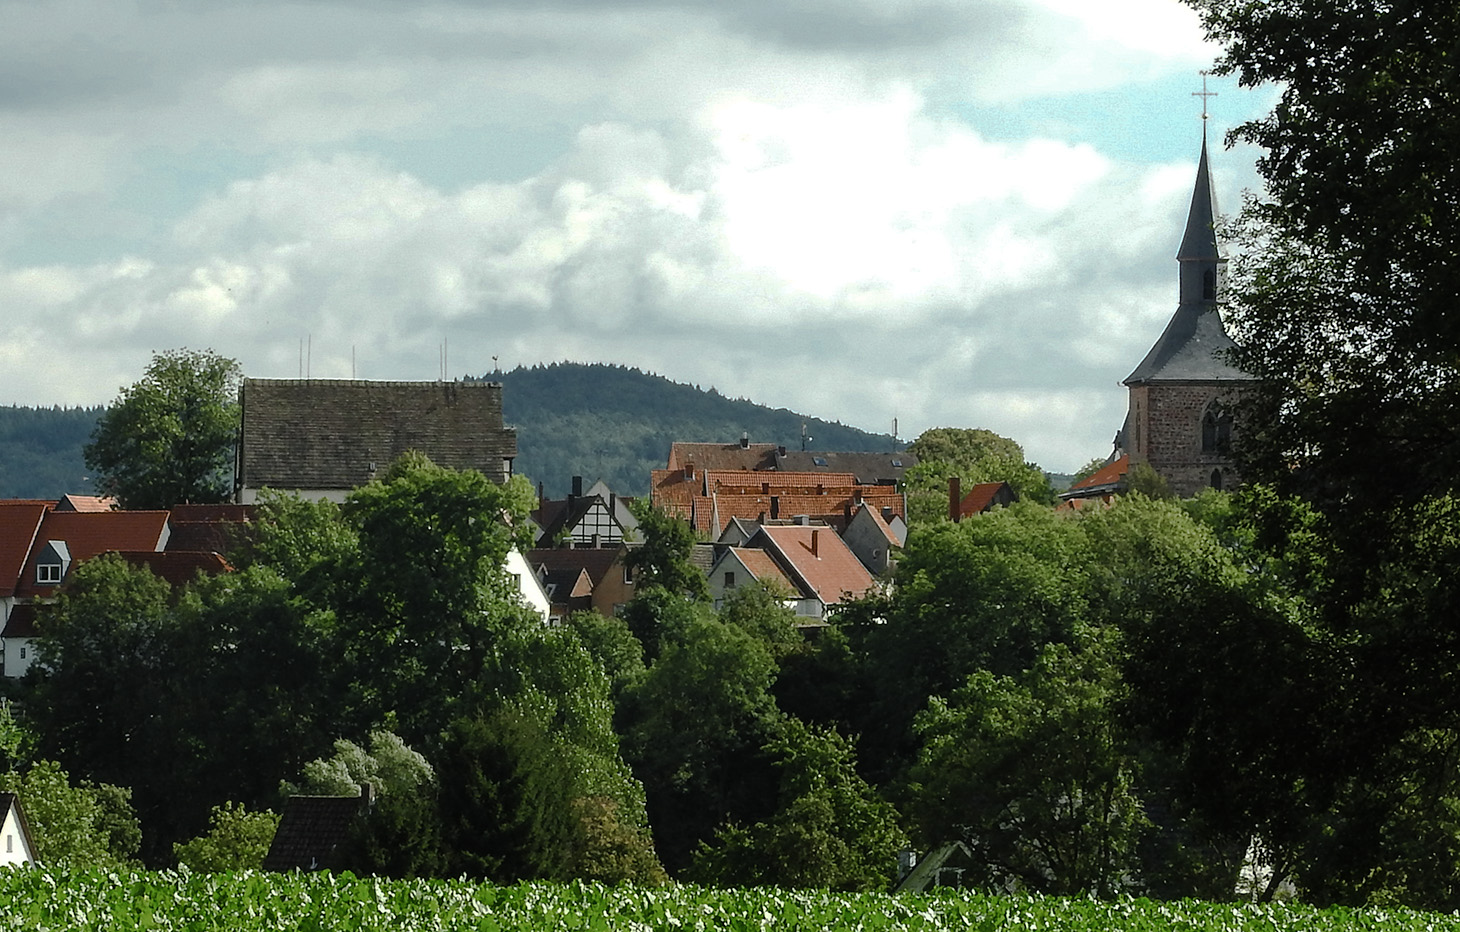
1169	435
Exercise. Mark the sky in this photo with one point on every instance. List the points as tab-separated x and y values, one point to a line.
934	213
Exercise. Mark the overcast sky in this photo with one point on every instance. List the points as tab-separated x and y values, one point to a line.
955	213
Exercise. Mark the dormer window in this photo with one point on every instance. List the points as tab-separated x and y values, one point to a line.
51	563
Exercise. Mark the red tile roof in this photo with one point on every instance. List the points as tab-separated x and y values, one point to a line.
985	496
722	456
764	568
88	534
86	503
178	567
1109	474
598	562
19	522
821	560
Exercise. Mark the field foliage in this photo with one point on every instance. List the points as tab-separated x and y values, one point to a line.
32	900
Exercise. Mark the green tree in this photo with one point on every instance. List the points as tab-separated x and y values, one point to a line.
169	438
972	456
237	840
1033	772
830	830
425	610
85	825
663	559
694	727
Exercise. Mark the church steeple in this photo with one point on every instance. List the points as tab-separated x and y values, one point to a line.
1194	343
1200	255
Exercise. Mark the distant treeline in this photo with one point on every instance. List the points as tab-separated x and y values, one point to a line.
40	451
572	419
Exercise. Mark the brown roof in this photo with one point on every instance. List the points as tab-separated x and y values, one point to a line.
21	623
820	558
868	468
722	456
328	434
1102	481
90	533
178	567
985	496
712	499
19	521
598	562
310	830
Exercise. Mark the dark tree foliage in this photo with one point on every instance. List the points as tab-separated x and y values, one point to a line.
1343	302
1344	295
663	559
169	438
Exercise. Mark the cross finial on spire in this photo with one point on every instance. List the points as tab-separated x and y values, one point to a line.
1204	94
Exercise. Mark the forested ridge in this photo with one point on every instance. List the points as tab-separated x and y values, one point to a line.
573	419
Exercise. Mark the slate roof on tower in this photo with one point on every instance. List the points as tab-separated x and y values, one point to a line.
1194	345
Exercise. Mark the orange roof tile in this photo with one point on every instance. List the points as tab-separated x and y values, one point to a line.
822	561
19	521
764	568
89	533
86	503
1109	474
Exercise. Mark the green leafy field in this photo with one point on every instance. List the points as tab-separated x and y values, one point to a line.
130	902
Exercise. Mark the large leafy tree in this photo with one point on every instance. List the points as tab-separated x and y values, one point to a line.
1343	302
1343	295
972	455
169	437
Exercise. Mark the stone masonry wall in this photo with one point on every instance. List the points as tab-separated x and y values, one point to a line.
1167	423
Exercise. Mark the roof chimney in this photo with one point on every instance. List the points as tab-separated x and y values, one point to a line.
775	507
815	541
955	497
577	486
744	440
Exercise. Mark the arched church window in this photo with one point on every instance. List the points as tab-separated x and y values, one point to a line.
1217	479
1209	285
1216	429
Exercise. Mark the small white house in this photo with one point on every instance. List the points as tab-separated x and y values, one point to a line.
16	844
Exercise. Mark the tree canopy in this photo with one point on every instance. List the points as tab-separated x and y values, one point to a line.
169	437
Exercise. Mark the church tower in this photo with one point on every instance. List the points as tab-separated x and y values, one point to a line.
1183	394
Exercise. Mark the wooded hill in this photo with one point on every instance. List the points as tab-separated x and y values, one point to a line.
573	419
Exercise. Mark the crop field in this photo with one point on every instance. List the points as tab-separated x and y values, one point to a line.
40	899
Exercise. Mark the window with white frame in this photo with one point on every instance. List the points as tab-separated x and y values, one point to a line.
48	574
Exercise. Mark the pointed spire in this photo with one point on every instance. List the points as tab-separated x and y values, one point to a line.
1200	241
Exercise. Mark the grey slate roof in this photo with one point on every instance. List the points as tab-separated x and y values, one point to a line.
1191	349
336	434
1194	345
869	468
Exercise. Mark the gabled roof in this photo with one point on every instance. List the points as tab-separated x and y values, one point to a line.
985	496
310	831
866	468
1105	481
178	567
21	623
19	522
1192	348
722	455
10	805
209	527
87	534
86	503
764	568
315	434
597	562
874	516
818	559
